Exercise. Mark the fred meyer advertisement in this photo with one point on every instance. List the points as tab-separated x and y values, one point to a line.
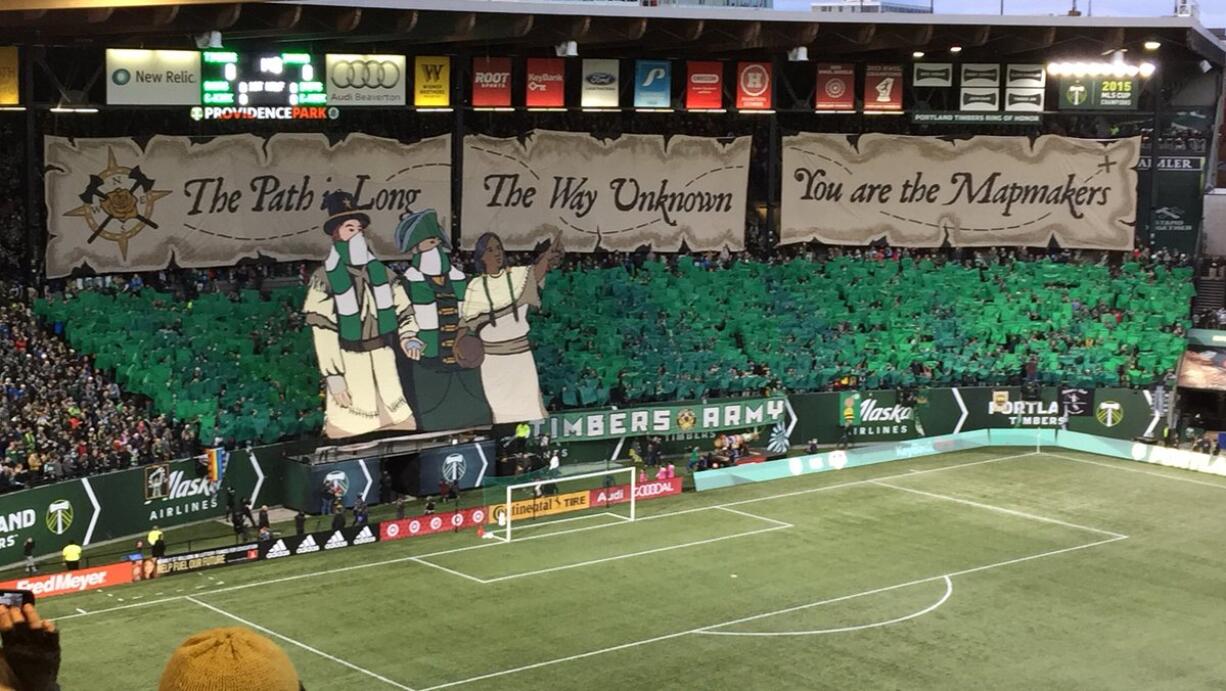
77	581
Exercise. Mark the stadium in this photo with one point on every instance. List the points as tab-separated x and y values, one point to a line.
350	345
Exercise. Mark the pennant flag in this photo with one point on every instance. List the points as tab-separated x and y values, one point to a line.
217	459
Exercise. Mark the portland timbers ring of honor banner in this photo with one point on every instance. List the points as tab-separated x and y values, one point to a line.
977	192
617	194
115	205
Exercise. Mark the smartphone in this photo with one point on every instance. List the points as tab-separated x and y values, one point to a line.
16	598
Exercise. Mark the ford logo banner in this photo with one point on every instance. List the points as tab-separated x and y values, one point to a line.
600	78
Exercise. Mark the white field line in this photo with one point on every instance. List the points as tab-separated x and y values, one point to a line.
949	590
302	645
399	560
1001	509
1122	465
453	572
783	524
544	523
818	603
645	552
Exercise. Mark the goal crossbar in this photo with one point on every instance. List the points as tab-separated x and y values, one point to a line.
548	505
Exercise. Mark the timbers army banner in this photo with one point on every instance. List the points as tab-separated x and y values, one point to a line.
981	191
615	194
665	420
116	205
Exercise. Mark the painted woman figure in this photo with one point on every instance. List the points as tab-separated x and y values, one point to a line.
496	309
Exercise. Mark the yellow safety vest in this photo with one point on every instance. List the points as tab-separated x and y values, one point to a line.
72	553
154	536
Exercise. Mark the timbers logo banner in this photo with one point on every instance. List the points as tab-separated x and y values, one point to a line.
977	192
617	194
118	205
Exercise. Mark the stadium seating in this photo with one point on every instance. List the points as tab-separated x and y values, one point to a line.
246	368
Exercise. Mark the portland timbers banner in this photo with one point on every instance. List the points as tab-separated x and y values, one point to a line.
666	420
980	191
117	205
617	194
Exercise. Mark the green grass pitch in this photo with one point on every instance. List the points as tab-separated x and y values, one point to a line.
991	569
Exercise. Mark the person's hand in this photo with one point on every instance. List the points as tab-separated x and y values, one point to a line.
31	647
413	347
339	390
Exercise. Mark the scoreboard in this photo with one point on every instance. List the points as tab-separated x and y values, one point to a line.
230	79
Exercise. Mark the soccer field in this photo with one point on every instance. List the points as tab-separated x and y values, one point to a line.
1001	568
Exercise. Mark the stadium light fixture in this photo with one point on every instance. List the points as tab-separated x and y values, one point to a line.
73	109
798	54
566	49
1117	67
918	54
493	109
955	49
1153	45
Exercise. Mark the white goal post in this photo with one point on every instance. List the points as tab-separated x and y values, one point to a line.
550	497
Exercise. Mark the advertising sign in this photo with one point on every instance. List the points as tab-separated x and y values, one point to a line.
541	506
835	87
153	77
664	420
600	85
932	74
1098	93
544	83
620	494
653	84
68	582
10	92
417	526
207	559
432	81
883	88
323	541
753	86
365	80
704	85
463	465
491	82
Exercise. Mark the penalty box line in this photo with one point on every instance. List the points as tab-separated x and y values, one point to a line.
775	525
710	628
401	560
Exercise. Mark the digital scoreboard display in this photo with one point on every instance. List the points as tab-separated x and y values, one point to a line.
241	80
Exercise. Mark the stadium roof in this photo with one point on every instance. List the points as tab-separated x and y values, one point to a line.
489	25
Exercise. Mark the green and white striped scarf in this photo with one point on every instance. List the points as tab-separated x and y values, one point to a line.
349	321
425	301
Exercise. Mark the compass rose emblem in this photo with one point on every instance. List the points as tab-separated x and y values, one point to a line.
119	203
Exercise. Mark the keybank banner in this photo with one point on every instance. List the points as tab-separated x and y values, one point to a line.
104	507
593	425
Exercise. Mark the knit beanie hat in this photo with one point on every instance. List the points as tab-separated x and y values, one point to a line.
228	659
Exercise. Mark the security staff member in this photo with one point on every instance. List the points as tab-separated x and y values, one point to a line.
154	537
72	556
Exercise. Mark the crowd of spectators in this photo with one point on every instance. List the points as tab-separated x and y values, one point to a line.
60	417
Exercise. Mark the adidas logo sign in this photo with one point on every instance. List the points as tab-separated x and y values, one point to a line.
278	550
337	541
364	537
307	546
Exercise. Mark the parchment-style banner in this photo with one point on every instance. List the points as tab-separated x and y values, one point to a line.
917	191
616	194
119	207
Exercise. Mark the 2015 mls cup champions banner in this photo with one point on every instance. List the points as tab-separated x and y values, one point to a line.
617	194
981	191
118	206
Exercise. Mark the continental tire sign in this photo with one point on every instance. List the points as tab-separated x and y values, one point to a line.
365	80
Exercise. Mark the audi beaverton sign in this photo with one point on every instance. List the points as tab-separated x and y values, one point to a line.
365	80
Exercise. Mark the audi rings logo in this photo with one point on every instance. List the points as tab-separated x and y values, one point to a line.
365	74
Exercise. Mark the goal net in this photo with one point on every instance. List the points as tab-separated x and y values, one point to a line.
607	495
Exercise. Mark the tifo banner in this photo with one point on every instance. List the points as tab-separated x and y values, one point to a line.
417	526
615	194
664	420
620	494
117	206
977	192
68	582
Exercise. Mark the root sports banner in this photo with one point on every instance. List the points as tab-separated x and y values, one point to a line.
116	205
616	194
982	191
